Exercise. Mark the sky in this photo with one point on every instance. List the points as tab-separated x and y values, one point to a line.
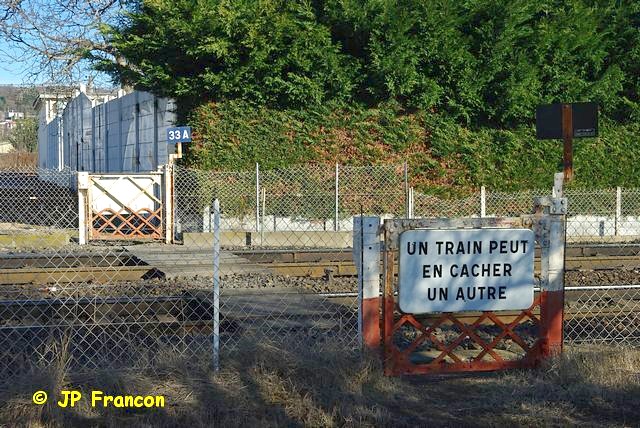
11	75
16	71
12	72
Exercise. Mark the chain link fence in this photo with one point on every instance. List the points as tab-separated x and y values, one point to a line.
287	273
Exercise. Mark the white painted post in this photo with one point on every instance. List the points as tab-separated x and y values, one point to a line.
407	191
366	257
552	240
206	219
336	225
257	197
618	210
216	285
558	185
83	209
411	202
167	201
483	201
264	209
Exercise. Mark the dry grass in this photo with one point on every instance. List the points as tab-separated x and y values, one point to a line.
265	385
18	161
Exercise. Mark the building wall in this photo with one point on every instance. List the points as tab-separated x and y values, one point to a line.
126	134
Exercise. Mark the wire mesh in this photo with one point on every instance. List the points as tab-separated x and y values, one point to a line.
132	303
507	204
602	315
286	264
426	206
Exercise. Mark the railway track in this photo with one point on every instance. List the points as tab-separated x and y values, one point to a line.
120	265
240	310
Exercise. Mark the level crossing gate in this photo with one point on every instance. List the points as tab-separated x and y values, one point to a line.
481	340
125	206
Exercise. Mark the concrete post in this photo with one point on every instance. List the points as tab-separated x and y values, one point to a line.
167	201
206	219
366	257
84	211
411	200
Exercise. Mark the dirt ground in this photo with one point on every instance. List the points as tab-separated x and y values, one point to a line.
266	386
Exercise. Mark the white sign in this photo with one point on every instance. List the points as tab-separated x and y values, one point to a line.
465	270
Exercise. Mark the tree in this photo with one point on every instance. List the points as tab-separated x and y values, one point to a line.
60	38
482	62
24	137
270	51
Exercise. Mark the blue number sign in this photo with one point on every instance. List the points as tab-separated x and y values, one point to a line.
179	134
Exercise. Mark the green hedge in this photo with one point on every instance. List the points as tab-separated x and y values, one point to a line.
443	156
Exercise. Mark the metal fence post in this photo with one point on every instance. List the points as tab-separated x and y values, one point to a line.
410	213
618	210
206	219
407	202
336	225
216	285
483	201
257	197
366	256
264	210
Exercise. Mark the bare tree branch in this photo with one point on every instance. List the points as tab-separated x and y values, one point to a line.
57	37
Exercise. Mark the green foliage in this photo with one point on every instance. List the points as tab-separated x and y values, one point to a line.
481	62
450	85
270	52
24	137
443	156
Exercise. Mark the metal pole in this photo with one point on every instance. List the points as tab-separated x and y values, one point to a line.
336	226
406	190
264	209
411	202
216	285
567	136
361	278
483	202
206	219
357	260
257	197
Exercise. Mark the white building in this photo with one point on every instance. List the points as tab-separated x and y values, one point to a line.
6	147
14	115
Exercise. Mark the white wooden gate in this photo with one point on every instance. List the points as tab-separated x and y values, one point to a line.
125	206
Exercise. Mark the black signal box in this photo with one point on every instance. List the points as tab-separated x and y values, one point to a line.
549	121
